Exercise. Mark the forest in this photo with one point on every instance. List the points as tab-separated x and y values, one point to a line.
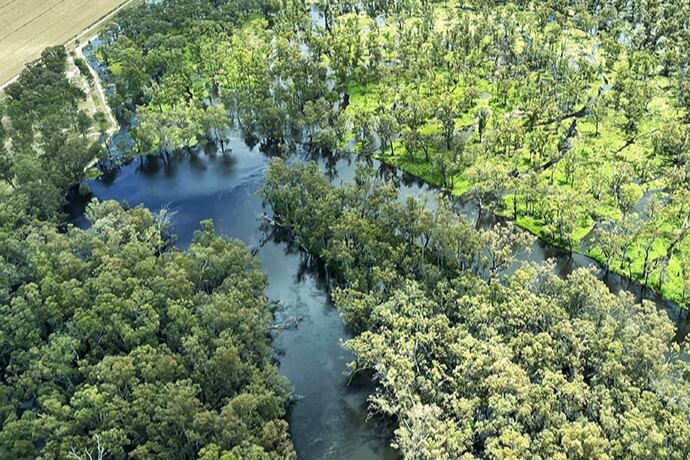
569	119
562	120
472	365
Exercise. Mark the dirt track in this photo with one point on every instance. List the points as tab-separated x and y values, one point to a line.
29	26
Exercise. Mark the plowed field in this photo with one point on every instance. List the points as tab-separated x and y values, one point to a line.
29	26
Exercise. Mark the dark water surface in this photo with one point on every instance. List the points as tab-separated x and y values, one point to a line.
329	417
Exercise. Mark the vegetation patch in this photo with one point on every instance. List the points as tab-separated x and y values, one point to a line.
471	364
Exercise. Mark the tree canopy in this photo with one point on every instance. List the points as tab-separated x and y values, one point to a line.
554	114
113	342
44	149
569	119
472	363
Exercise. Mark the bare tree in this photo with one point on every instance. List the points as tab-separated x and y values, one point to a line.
99	454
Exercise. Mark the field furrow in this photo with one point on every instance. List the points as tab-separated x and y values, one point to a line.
29	26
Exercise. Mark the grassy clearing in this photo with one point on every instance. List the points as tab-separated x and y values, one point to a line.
575	192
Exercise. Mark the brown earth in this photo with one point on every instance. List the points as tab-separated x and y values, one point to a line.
29	26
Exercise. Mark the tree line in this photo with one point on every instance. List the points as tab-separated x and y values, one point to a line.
568	117
44	144
471	363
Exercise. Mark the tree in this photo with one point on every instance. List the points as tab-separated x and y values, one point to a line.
176	344
501	244
672	143
483	116
386	126
450	163
683	90
84	123
412	114
571	162
489	181
446	114
609	240
635	99
628	197
215	119
651	230
597	112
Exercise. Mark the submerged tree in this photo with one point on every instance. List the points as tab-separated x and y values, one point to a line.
525	365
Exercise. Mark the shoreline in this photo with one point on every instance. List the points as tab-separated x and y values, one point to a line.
684	309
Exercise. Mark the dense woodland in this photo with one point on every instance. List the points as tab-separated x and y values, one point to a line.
473	365
114	344
569	118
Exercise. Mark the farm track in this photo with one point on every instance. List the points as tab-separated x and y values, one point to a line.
27	27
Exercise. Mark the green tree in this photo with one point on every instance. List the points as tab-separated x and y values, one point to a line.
128	348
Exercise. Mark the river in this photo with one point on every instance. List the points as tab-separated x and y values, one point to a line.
329	417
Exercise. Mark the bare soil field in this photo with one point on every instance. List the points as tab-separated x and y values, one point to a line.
29	26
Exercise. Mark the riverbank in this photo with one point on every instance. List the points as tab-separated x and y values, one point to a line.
340	167
595	255
329	418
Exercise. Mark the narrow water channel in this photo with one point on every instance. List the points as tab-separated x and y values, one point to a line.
329	417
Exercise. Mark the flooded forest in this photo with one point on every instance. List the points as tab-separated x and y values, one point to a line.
398	229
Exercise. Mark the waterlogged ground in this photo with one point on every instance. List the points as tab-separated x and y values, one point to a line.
329	416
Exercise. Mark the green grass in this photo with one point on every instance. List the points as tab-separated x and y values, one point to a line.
599	155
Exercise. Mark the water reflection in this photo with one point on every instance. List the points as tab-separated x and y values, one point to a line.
329	418
538	252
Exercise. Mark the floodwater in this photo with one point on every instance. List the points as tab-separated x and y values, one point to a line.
329	417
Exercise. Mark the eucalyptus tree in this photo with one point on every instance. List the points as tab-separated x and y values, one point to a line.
122	344
490	180
44	142
469	367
